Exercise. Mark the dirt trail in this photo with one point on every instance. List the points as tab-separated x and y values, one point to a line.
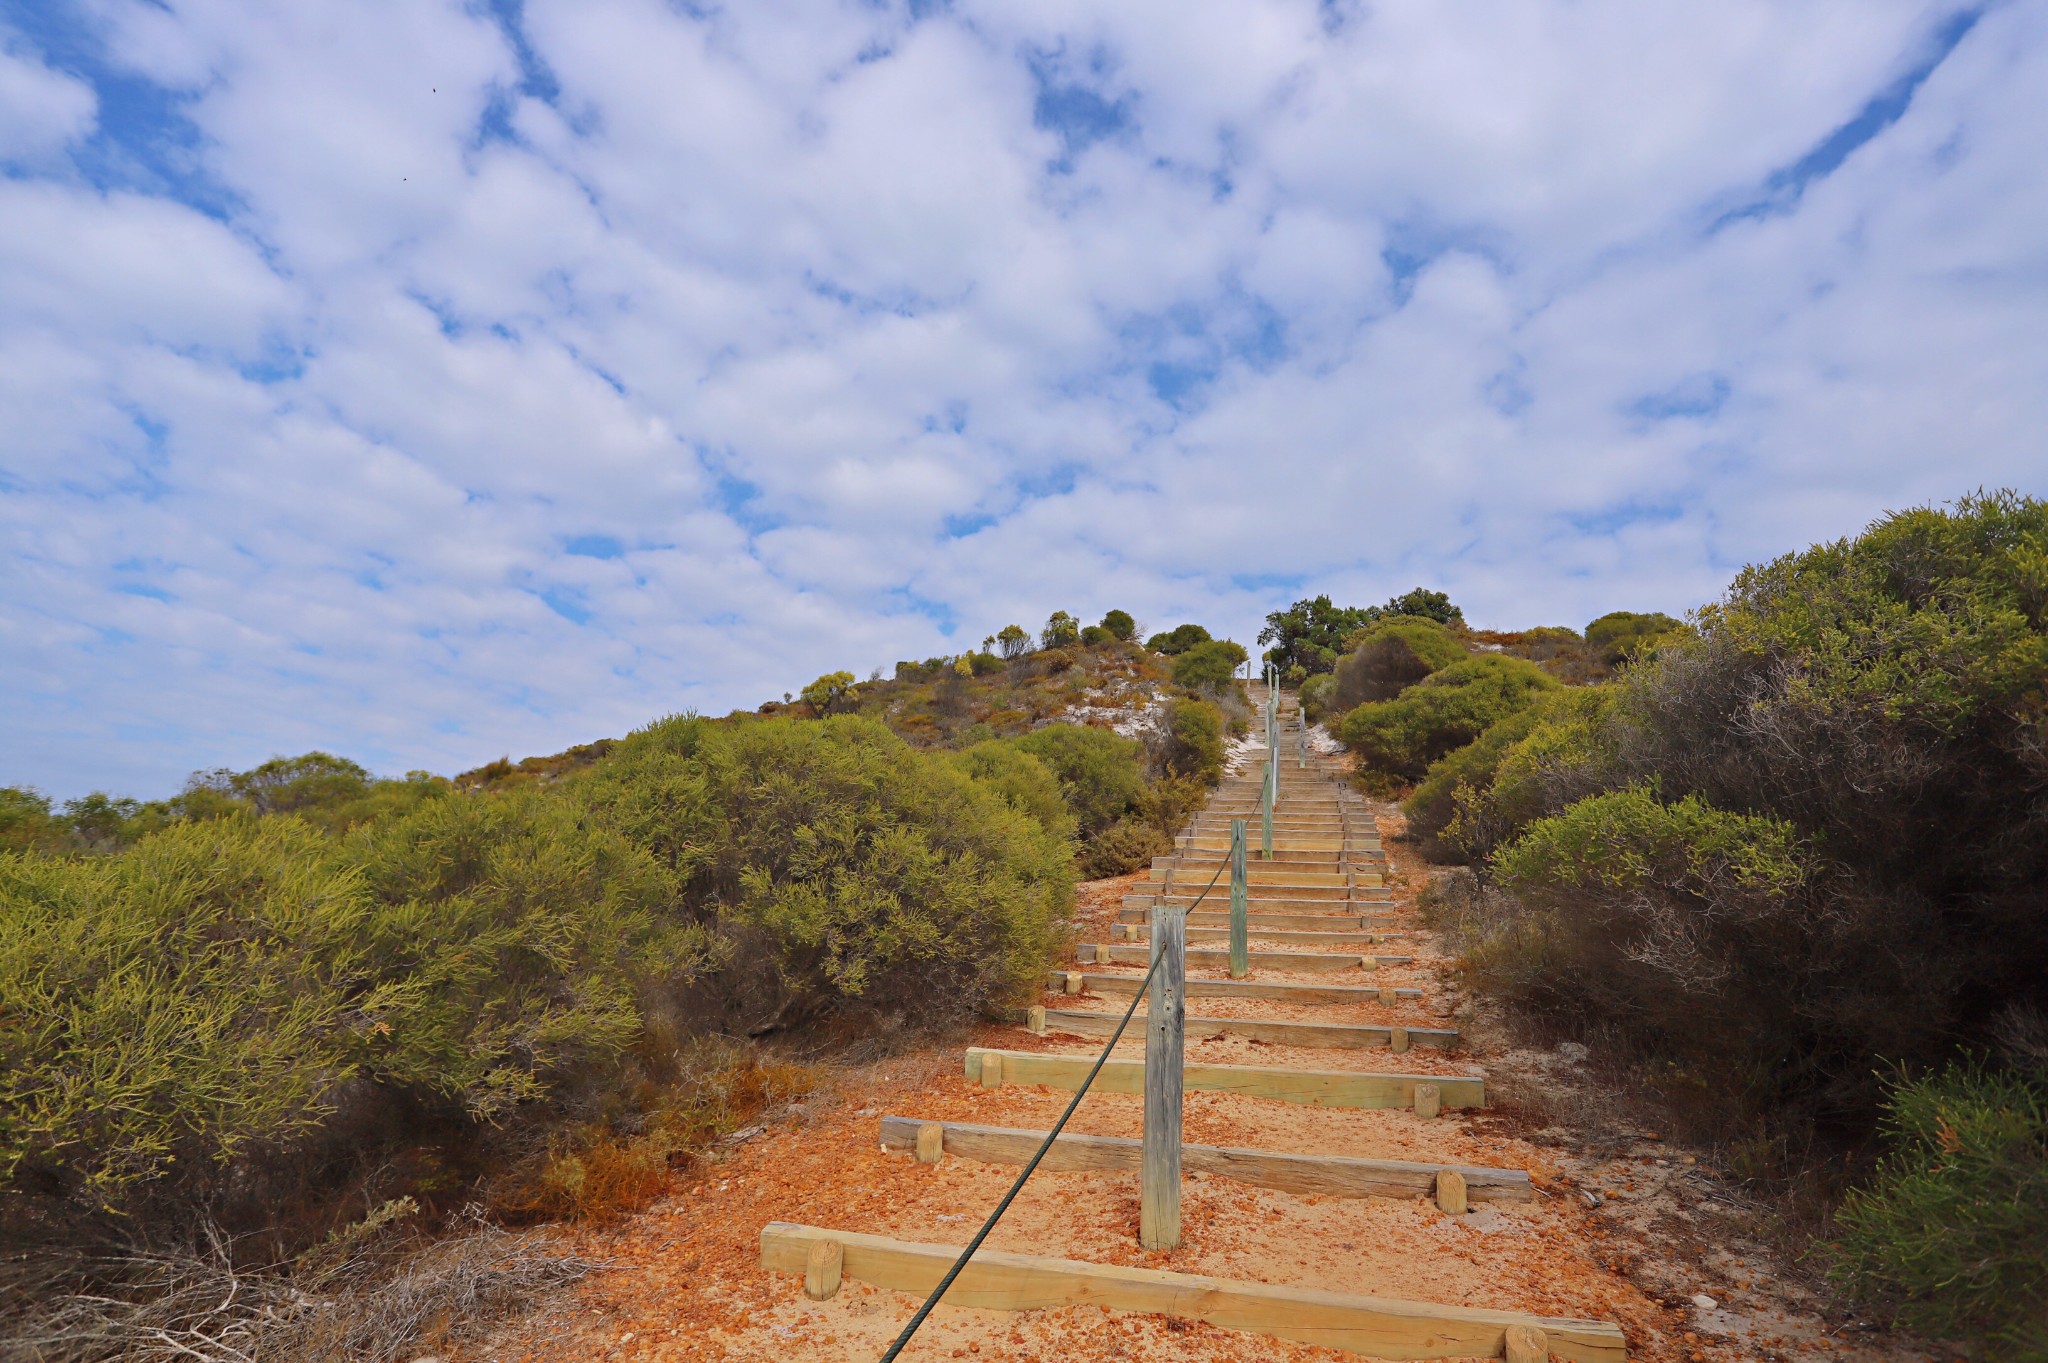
1609	1236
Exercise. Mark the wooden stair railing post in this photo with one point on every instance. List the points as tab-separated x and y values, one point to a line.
1240	951
1159	1171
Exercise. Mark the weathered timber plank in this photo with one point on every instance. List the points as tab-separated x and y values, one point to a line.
1328	1036
1241	989
1314	1088
1344	920
1379	1327
1319	1175
1213	957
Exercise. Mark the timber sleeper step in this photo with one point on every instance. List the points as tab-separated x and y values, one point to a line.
1312	1088
997	1280
1317	1035
1109	953
1076	981
1297	922
1316	1175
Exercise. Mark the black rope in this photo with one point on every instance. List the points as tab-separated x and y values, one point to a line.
960	1263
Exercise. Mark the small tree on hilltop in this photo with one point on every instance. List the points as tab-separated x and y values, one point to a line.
1012	641
1208	666
1430	605
1310	634
1060	630
833	691
1120	625
1179	639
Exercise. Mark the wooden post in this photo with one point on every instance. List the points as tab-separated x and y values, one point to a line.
1159	1171
1429	1100
1450	1192
1266	805
1387	996
1240	949
991	1071
1102	953
1527	1344
1034	1020
1397	1039
1072	983
931	1142
821	1270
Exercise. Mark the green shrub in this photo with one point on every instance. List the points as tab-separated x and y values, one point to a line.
1620	634
1061	630
1952	1233
1209	666
1125	846
1445	710
517	934
1119	625
1191	741
1315	696
843	871
1101	774
1390	657
1885	698
205	1001
1021	781
26	823
1475	798
1673	922
1179	639
1457	783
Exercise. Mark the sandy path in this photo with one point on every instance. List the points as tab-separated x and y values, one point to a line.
685	1283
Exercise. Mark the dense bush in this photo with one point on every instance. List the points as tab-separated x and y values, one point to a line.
1191	741
26	823
845	872
1119	625
1179	639
1480	796
1446	802
1021	781
1618	634
1446	710
1952	1233
1101	774
1390	657
1886	700
1209	666
194	1009
1640	910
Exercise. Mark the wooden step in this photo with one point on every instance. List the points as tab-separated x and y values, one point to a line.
1215	958
1316	1175
1294	936
1334	921
1318	1035
997	1280
1237	989
1312	1088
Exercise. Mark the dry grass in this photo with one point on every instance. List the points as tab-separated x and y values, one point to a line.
378	1293
603	1170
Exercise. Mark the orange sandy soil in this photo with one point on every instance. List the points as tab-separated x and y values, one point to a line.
683	1280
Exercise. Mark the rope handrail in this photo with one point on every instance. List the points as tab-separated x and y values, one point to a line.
960	1264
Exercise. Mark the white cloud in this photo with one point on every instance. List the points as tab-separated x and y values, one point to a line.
810	327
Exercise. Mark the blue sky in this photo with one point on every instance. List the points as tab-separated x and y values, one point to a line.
432	381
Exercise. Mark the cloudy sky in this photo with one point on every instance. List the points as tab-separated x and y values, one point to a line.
432	381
